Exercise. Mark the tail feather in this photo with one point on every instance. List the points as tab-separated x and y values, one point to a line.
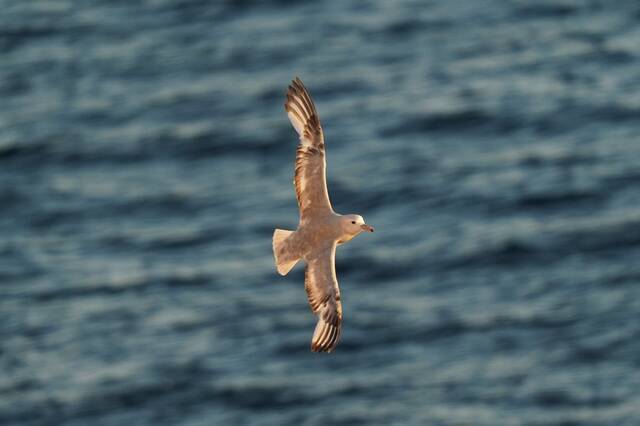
285	259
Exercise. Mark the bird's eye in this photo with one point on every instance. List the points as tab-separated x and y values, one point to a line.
353	221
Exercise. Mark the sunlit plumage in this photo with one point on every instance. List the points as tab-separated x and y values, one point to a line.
320	229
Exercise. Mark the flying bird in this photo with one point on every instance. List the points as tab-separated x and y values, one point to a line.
320	229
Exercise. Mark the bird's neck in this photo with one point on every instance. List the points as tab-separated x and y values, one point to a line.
345	238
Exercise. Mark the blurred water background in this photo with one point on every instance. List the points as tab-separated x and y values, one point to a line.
145	159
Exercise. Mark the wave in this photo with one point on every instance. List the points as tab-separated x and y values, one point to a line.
566	118
556	398
544	10
458	121
13	38
451	328
133	284
546	200
164	242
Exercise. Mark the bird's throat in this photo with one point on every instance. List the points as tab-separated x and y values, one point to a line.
345	238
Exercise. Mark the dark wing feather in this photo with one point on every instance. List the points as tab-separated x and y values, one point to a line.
310	171
321	284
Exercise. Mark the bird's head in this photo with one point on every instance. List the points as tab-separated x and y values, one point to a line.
353	224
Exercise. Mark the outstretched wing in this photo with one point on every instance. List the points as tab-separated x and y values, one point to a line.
310	172
321	285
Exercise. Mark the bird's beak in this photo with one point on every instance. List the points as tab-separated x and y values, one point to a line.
366	227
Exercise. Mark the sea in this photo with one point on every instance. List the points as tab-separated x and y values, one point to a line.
146	158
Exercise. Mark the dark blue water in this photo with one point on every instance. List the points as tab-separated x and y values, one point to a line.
145	158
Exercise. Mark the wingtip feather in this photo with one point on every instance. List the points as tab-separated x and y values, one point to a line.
326	337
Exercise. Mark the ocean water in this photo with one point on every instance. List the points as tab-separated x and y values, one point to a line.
145	159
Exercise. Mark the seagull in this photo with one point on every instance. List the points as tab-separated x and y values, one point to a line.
320	229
